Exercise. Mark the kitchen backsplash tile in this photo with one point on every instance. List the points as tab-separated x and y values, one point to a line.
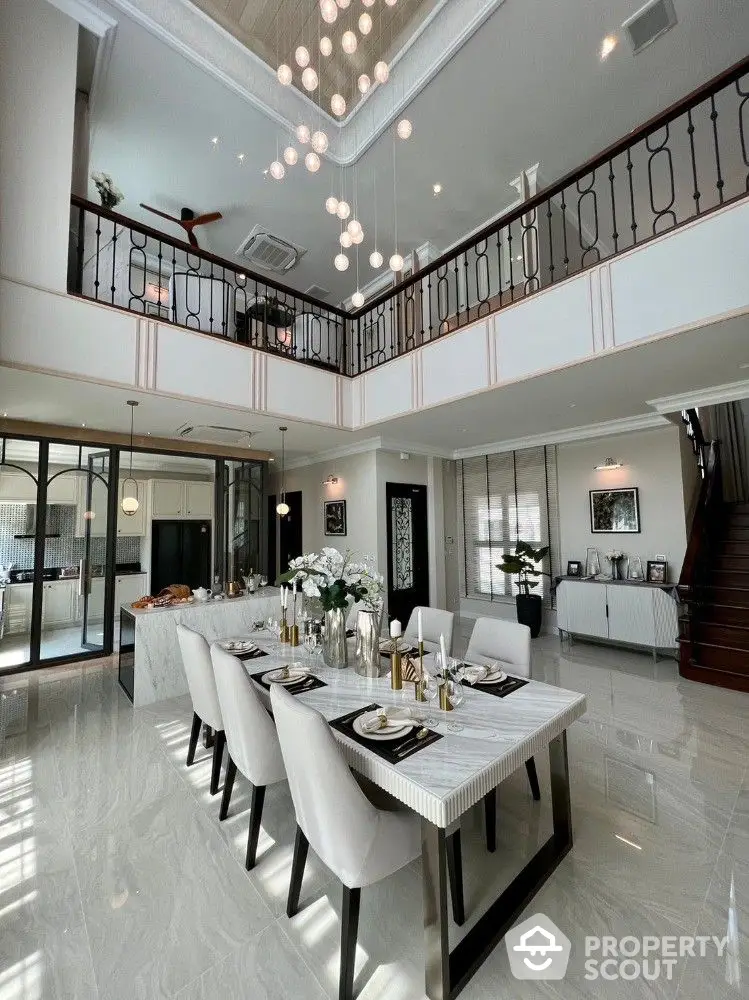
67	550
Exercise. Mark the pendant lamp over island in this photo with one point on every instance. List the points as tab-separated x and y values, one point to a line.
130	501
282	508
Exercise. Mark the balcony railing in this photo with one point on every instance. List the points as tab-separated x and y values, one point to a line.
682	164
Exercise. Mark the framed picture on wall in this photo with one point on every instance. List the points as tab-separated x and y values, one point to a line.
334	516
615	512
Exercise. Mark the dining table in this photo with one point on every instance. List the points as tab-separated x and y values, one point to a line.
480	744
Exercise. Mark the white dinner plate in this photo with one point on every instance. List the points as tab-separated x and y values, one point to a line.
391	733
238	645
495	676
295	675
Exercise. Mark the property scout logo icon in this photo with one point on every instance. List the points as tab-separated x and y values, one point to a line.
537	949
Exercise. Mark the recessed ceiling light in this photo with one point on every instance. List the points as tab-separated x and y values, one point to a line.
214	140
265	172
240	157
608	45
83	425
437	188
573	405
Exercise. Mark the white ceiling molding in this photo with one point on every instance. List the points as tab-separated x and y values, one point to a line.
211	47
726	393
368	444
87	14
624	425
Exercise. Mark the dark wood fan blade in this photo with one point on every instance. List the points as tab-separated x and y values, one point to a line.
191	238
163	215
208	217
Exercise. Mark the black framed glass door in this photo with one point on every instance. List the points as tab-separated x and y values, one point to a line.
93	574
408	549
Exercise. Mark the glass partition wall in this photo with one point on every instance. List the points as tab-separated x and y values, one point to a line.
69	555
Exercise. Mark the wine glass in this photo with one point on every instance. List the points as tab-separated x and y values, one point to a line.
263	581
456	695
432	685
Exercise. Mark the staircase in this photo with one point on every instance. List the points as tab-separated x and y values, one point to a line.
714	631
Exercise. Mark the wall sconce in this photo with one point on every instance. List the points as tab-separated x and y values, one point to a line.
330	481
608	464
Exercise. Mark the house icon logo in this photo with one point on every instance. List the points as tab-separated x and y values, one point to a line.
537	949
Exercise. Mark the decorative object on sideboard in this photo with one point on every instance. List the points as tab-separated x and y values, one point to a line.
109	194
574	567
335	517
657	571
615	511
635	569
130	501
616	558
592	563
524	563
282	508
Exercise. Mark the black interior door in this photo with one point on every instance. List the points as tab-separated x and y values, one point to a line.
408	549
290	533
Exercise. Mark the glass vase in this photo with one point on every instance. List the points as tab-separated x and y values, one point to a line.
334	639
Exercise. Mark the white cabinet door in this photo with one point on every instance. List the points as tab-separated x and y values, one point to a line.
167	498
63	489
18	598
198	499
631	614
129	525
128	588
57	603
17	487
585	607
96	600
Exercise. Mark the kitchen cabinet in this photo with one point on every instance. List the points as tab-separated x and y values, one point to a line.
95	600
59	603
127	588
633	614
18	608
17	487
171	499
132	525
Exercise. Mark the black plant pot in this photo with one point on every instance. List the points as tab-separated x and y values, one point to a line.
529	612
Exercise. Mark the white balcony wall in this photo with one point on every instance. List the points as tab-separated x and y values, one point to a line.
38	55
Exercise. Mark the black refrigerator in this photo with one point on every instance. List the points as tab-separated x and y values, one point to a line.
180	553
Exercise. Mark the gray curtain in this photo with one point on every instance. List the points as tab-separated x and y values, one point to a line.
725	423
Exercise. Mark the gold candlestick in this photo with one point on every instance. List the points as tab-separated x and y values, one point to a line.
396	669
294	635
445	703
284	634
419	683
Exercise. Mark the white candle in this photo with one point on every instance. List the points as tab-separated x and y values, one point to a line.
443	651
395	629
421	630
283	597
295	586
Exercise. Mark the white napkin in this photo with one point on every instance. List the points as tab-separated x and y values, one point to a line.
395	717
474	674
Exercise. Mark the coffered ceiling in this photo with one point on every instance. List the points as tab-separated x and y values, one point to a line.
274	30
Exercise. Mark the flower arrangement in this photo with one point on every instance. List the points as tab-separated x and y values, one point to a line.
109	193
334	577
614	555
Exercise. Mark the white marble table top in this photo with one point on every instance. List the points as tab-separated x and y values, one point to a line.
446	778
266	593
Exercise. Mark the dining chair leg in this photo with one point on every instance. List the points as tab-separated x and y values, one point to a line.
194	734
231	773
301	846
256	814
455	872
349	932
490	820
530	766
218	756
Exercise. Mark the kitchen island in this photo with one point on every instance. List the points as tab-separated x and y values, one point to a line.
150	664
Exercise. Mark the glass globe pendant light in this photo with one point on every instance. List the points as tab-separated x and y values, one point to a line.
365	23
282	508
368	3
331	205
404	128
303	134
349	42
338	105
345	240
302	56
341	262
130	504
354	227
319	142
284	74
396	262
309	79
381	72
326	46
344	209
328	11
358	237
357	299
344	4
290	155
363	83
277	170
376	259
312	162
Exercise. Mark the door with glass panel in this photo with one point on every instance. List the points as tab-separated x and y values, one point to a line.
92	567
408	550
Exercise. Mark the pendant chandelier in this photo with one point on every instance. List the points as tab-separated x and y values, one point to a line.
130	501
282	508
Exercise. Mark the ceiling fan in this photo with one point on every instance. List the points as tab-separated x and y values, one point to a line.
188	220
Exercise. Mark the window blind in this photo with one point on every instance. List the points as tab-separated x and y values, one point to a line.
503	498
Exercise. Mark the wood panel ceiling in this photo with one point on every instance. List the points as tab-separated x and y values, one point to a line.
273	29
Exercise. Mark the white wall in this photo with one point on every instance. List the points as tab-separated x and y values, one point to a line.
38	55
652	463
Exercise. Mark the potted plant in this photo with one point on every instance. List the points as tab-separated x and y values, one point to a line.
523	563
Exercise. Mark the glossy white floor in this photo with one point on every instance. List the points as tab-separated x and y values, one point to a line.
118	882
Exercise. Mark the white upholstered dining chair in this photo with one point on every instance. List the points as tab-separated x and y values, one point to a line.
251	741
196	659
360	843
434	622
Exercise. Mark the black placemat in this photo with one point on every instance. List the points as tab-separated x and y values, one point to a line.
499	690
254	654
306	684
393	751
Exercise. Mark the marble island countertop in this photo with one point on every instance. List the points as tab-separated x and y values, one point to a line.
265	593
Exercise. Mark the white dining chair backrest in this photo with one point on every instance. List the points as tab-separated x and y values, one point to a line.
434	622
196	658
250	732
334	814
495	639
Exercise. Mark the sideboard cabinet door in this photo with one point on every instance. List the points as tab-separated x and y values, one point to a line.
585	607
